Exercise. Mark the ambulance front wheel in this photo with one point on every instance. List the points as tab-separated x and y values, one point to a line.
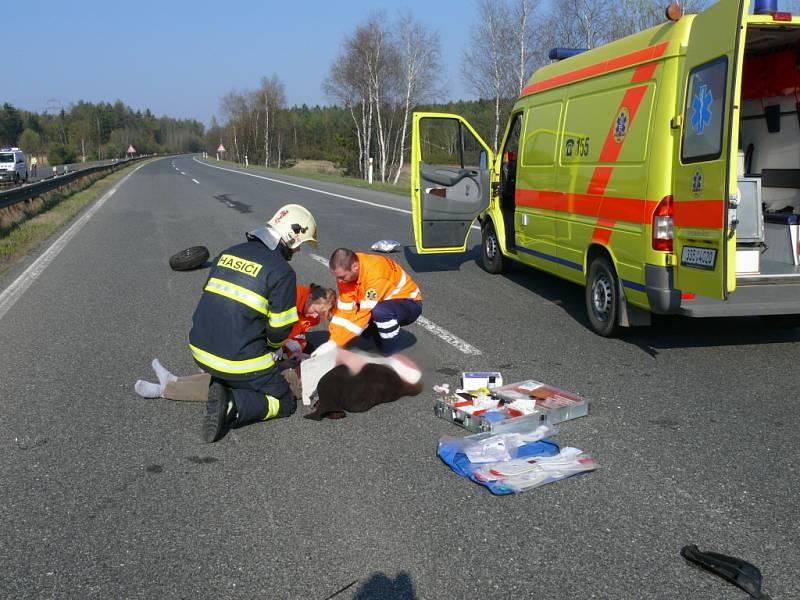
602	297
492	258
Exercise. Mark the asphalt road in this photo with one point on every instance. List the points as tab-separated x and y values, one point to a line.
107	495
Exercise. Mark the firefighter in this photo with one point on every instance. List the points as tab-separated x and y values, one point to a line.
247	310
376	297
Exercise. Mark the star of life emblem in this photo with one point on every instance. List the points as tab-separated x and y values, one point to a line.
697	181
621	124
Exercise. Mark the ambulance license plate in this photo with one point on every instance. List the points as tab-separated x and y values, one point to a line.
703	258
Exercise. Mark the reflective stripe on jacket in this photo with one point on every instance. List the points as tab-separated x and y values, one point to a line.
379	278
247	310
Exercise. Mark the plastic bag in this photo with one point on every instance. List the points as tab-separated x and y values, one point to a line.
531	442
386	246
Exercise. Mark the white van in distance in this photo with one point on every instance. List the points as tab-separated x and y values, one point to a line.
13	165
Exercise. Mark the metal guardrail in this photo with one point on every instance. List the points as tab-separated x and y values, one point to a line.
26	192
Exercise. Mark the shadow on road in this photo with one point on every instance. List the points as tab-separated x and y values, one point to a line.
382	587
434	263
666	331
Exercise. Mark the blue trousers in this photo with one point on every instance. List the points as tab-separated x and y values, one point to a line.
387	318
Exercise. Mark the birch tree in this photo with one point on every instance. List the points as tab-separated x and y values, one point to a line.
273	98
487	64
419	53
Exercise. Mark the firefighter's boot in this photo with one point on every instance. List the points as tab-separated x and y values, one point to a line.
220	411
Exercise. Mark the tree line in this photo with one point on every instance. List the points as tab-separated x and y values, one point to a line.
88	131
389	67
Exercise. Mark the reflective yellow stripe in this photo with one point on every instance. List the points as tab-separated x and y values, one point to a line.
275	345
284	318
223	365
273	406
238	293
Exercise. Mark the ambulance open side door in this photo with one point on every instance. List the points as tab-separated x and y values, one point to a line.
451	181
704	181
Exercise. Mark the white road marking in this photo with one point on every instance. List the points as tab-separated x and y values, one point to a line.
195	180
14	291
310	189
453	340
440	332
182	173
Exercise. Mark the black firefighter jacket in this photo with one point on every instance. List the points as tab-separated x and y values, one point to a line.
246	312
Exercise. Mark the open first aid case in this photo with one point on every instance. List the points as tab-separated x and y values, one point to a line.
526	401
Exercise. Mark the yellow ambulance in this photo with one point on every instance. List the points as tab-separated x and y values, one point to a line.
660	171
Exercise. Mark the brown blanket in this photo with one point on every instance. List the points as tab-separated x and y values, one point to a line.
340	391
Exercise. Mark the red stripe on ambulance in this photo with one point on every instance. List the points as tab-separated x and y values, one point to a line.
614	64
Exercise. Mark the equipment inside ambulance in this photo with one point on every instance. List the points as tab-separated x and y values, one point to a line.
661	171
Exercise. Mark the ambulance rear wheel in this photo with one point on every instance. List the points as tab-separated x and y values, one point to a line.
602	297
492	258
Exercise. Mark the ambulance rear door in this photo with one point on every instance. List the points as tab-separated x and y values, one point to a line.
451	181
704	184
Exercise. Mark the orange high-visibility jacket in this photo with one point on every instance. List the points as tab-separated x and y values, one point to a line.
296	342
379	278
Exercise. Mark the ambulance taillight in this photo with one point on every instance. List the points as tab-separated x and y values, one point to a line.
662	225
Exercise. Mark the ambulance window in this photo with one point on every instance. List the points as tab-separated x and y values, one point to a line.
539	145
446	142
704	114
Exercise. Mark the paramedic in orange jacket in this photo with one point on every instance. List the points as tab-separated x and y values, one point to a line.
376	297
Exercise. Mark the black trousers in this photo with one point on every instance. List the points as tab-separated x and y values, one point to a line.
252	397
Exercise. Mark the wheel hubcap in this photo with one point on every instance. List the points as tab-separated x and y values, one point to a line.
602	296
491	246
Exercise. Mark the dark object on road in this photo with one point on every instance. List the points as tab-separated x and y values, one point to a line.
739	572
339	390
189	259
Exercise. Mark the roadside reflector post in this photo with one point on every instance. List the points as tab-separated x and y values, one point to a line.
55	171
369	171
246	161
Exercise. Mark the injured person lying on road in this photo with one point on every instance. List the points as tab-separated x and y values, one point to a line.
360	381
357	382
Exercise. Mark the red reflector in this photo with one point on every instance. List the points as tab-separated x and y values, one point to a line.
664	208
782	16
662	225
687	296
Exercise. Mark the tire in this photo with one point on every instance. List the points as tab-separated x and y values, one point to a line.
492	259
189	259
602	297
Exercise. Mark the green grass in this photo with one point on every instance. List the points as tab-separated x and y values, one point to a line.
18	240
401	189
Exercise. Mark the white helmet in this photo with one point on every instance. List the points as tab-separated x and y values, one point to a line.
292	224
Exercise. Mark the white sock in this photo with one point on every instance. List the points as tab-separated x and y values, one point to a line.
164	376
148	390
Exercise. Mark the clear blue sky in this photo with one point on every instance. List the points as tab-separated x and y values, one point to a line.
178	58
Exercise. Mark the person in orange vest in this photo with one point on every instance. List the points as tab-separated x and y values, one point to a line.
313	303
376	298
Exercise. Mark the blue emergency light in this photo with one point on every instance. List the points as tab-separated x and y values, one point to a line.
765	7
562	53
